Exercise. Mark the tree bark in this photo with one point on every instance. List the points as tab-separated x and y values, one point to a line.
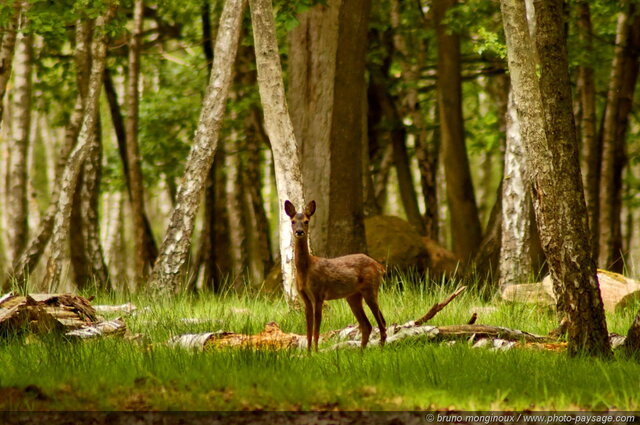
79	255
327	74
121	137
167	271
32	253
89	194
280	131
426	151
235	223
16	202
632	343
213	264
255	184
552	158
69	180
465	222
390	116
591	143
114	246
610	236
7	51
143	262
515	261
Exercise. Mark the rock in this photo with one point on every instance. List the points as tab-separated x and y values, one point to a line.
617	291
442	262
396	244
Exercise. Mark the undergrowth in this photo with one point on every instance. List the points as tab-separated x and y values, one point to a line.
145	374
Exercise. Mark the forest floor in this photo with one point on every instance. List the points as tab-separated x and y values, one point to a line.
144	374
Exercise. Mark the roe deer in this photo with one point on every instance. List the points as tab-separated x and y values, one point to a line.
354	277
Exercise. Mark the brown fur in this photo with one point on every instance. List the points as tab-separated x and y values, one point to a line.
355	277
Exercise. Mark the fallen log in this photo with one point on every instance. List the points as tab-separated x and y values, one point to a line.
486	331
271	337
66	314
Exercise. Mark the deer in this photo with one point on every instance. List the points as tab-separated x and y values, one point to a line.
355	277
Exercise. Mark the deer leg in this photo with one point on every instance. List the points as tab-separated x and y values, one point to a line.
308	312
355	302
372	301
317	320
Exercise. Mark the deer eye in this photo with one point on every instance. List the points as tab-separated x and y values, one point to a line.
306	222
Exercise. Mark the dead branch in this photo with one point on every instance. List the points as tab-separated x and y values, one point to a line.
486	331
439	306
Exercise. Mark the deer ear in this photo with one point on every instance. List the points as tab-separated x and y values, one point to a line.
310	209
289	209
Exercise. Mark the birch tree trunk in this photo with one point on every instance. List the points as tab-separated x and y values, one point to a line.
7	51
167	272
69	180
34	249
114	246
515	261
280	131
98	273
142	257
16	202
553	163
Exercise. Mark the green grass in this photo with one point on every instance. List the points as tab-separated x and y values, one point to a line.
114	373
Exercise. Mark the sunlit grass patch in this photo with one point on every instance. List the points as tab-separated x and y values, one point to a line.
115	373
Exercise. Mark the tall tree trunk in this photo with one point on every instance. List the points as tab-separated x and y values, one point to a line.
632	343
114	246
121	137
591	143
465	222
426	151
143	262
79	255
7	50
235	194
515	261
279	129
69	180
16	202
252	173
608	220
327	74
398	135
167	271
550	144
90	189
214	262
34	249
624	74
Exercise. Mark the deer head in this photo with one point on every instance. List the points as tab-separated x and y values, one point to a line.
300	221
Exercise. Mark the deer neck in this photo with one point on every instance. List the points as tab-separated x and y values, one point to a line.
302	256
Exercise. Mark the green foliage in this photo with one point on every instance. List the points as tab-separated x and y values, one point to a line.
481	24
168	118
